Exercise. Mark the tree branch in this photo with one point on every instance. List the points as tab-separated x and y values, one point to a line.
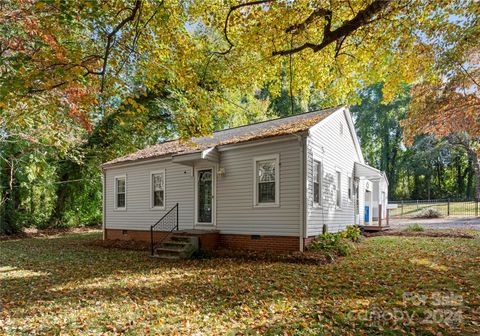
111	36
319	12
362	18
225	27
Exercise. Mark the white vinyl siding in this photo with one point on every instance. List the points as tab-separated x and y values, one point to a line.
157	189
266	177
336	152
179	186
236	210
120	185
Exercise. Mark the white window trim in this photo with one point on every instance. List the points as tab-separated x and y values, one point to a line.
338	186
350	187
115	207
152	207
256	204
320	183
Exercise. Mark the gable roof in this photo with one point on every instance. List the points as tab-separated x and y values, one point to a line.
261	130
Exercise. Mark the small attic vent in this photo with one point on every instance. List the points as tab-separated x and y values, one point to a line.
341	129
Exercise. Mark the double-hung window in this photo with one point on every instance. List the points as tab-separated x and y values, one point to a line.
338	187
317	182
157	180
120	192
267	180
350	188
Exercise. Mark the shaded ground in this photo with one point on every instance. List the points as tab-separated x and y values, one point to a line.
391	285
468	223
33	232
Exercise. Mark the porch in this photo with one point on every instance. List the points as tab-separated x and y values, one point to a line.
375	204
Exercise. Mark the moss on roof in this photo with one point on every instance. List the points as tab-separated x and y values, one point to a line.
271	128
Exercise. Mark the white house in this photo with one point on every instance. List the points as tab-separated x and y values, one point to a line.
272	185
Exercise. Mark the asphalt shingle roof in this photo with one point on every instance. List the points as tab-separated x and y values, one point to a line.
266	129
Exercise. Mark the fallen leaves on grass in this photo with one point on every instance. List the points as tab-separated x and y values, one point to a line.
426	233
81	289
130	245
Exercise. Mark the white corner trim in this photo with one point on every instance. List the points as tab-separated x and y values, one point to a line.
276	204
153	172
115	178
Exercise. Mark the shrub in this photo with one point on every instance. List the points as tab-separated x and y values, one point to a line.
352	232
325	242
340	244
428	213
415	227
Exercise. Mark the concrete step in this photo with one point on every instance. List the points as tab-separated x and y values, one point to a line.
179	238
176	247
170	252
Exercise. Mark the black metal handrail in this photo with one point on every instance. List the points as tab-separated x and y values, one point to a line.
168	222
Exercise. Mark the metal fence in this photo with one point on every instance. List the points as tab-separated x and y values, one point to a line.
446	207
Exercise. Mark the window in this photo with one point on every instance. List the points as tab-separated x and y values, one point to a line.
317	181
120	192
338	188
158	189
267	180
350	188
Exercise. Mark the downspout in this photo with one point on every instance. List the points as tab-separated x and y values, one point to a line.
303	157
104	203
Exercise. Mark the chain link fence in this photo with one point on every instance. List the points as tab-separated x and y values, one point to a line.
446	207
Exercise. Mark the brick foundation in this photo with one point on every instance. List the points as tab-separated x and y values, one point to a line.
207	241
307	241
213	240
259	243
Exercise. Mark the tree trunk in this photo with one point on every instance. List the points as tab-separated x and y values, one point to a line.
10	198
472	153
470	174
470	146
476	168
67	171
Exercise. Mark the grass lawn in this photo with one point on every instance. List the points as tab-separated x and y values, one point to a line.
391	285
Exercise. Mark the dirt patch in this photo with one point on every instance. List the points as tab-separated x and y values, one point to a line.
291	257
426	233
34	233
131	245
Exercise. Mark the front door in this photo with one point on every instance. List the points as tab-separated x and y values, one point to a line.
205	186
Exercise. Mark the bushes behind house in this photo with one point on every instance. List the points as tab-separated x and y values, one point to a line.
336	244
428	213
